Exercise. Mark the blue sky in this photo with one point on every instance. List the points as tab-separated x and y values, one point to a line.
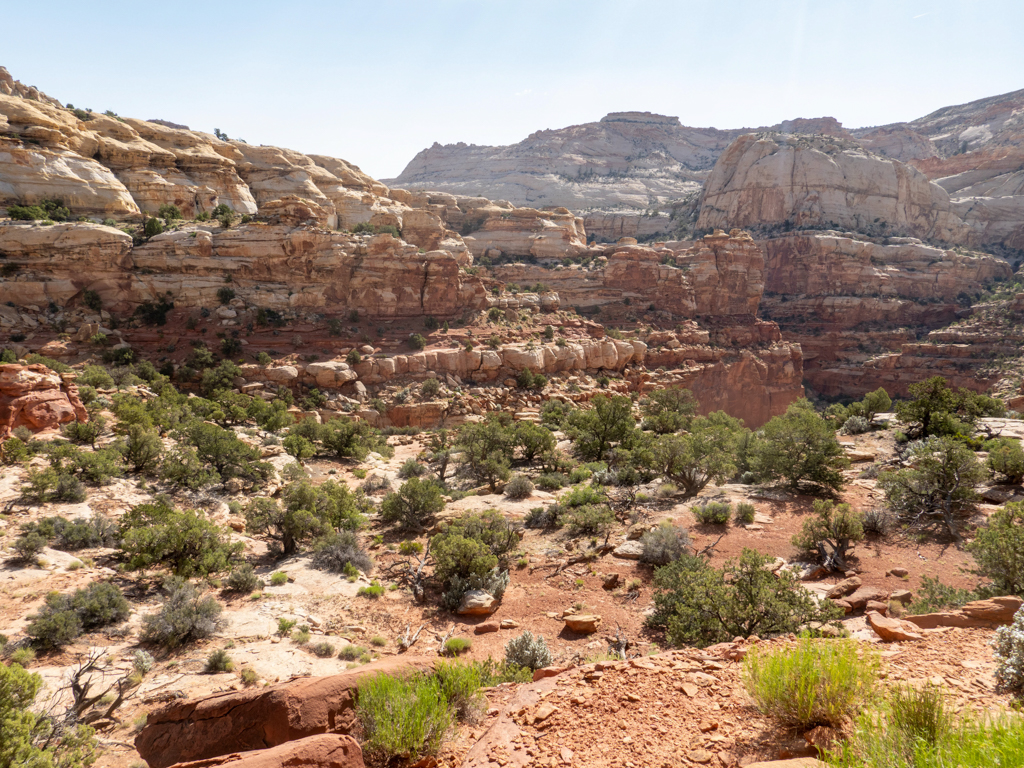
375	82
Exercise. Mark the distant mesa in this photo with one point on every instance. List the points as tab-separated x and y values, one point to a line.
640	117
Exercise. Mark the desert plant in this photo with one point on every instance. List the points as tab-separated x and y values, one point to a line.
278	579
339	552
453	646
414	505
402	716
745	512
664	544
998	549
527	651
815	682
64	617
322	649
668	410
830	533
799	450
219	661
373	591
1006	459
1009	654
937	489
185	616
856	425
157	534
519	487
698	604
712	512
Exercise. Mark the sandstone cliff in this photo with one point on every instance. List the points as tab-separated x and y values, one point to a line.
775	180
853	303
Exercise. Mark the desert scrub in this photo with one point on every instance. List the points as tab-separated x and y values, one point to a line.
351	652
453	646
745	513
284	626
402	717
712	513
249	677
374	591
1009	654
184	617
664	544
815	682
527	651
461	683
219	661
278	579
519	487
323	649
915	729
244	579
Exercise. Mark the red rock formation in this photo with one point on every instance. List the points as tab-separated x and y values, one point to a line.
241	721
33	396
328	751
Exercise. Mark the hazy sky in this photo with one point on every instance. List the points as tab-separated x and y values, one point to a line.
375	82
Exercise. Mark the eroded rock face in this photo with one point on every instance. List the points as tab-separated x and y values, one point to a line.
852	304
241	721
328	751
276	266
33	396
775	180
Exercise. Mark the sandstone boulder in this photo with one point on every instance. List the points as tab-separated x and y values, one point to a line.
241	721
981	613
584	624
859	599
33	396
892	630
844	588
477	602
327	751
629	550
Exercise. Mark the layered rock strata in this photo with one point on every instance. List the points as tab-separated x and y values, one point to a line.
270	266
858	307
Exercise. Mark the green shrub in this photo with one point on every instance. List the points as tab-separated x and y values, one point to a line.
301	636
590	520
73	535
527	651
278	579
430	389
414	505
308	512
84	433
374	591
664	544
914	728
830	532
402	717
378	642
185	616
596	430
936	490
416	341
169	212
1006	459
351	652
322	649
934	596
244	579
998	549
799	450
219	661
411	468
152	227
64	617
668	410
552	481
410	548
456	645
32	740
249	677
157	534
141	449
935	409
340	553
519	487
225	294
817	682
28	546
745	512
698	604
712	513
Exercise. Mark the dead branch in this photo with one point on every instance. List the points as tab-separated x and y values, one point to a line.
407	642
709	550
620	644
